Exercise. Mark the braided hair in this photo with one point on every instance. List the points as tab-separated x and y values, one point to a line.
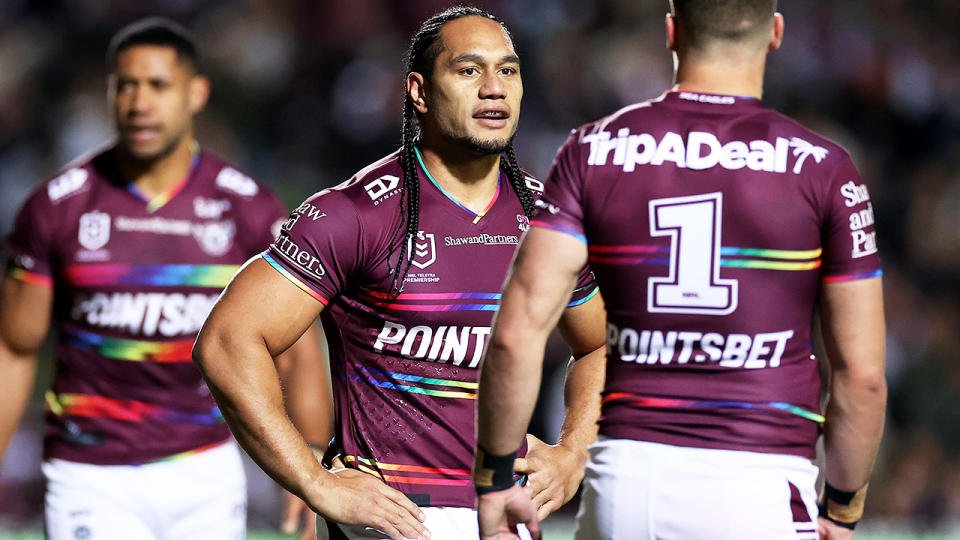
420	58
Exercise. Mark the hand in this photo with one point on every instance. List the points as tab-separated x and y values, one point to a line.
297	516
831	531
553	474
499	513
357	498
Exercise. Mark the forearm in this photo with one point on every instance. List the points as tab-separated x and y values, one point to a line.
581	395
17	373
242	377
305	376
855	416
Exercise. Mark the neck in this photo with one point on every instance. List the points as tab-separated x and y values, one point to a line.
734	73
468	177
157	176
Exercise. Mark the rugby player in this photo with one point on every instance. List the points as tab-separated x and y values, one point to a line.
714	226
127	251
404	263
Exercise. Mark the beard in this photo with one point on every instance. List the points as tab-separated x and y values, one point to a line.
486	147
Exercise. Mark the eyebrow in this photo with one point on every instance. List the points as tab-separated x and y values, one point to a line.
476	58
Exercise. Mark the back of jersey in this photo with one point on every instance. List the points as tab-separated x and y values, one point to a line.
711	222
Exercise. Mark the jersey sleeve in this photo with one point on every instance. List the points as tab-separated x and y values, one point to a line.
319	246
561	208
30	247
585	289
849	237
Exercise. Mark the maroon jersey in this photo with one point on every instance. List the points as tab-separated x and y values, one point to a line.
133	282
405	365
710	222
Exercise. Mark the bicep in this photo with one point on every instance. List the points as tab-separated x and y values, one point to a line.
25	311
262	304
583	327
853	324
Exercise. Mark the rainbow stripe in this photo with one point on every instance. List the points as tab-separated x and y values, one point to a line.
419	301
476	215
584	299
31	278
731	257
293	279
396	380
159	275
155	203
552	227
375	467
189	453
90	406
648	402
853	277
132	350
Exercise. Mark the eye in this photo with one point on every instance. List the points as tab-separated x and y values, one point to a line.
469	71
509	71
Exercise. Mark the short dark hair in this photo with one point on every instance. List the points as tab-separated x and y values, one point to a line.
154	31
704	21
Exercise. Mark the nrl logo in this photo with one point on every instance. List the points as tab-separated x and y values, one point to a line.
425	250
94	230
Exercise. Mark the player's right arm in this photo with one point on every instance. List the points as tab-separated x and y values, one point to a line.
24	321
853	333
260	314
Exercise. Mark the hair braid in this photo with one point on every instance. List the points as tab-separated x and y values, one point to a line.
518	181
411	191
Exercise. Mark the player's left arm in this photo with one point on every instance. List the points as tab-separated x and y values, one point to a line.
541	280
554	471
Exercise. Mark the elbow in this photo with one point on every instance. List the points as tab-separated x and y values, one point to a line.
868	385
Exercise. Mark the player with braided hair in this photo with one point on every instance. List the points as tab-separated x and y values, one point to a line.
404	264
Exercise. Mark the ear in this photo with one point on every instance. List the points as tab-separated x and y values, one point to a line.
776	34
417	90
671	25
199	93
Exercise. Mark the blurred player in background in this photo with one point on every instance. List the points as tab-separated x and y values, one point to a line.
714	226
404	263
127	251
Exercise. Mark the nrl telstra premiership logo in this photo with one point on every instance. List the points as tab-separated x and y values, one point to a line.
424	250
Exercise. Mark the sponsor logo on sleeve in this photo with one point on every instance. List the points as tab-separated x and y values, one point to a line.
66	184
523	222
94	232
700	150
544	205
233	180
299	257
382	188
310	211
864	242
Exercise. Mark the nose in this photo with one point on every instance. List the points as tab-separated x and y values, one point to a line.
492	87
139	100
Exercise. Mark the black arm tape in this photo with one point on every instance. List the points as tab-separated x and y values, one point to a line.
492	473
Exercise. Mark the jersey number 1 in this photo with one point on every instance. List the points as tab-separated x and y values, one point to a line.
694	284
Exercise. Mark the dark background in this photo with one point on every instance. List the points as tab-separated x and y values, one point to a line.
305	93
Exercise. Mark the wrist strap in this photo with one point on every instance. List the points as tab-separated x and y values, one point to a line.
844	508
492	473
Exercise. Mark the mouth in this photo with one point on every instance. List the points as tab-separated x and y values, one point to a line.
141	134
492	117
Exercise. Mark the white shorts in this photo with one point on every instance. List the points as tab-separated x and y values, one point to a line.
196	497
443	522
638	490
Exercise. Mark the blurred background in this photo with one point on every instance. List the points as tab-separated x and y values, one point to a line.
307	92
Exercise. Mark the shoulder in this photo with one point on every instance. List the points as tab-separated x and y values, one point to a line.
229	180
373	190
72	185
803	139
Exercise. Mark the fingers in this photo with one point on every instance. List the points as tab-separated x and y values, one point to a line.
402	514
546	509
521	465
